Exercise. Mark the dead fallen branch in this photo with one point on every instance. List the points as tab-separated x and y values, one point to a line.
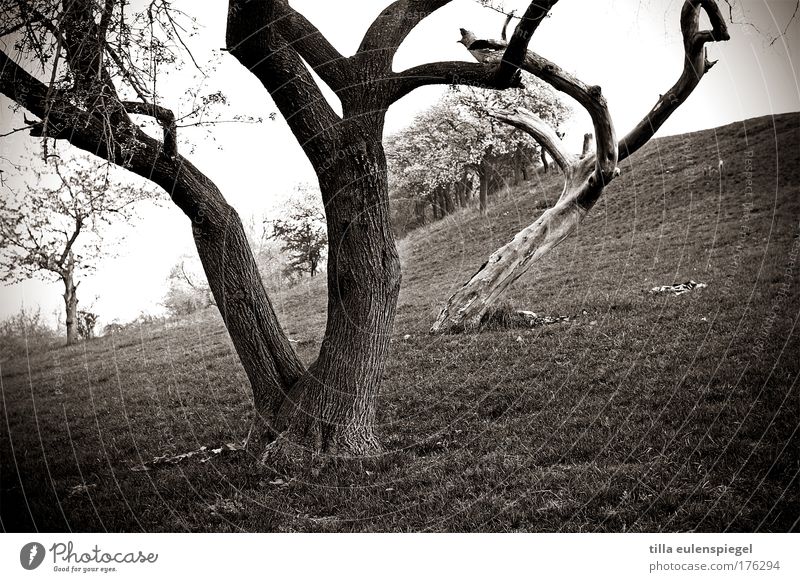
678	288
203	454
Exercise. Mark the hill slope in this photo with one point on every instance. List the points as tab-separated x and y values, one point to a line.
644	412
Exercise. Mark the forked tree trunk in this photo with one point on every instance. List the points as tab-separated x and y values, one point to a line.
545	162
331	410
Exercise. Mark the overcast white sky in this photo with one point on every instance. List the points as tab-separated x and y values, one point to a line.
631	48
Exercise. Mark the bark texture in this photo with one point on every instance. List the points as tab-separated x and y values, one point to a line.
587	144
545	161
331	410
483	193
70	300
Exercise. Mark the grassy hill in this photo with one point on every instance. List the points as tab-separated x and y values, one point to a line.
642	413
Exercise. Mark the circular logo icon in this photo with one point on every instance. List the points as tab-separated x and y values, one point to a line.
31	555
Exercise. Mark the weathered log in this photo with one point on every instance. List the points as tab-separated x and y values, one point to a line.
585	177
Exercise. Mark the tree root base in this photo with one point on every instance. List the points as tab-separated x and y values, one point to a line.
291	457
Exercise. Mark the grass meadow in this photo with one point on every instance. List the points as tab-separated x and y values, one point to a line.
642	412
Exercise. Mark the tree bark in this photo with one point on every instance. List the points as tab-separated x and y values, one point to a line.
263	348
519	166
545	162
587	144
466	307
419	212
70	300
435	208
483	175
331	410
449	202
462	195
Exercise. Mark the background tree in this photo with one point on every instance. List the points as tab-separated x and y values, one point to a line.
55	232
436	156
86	324
302	232
508	146
24	332
425	162
187	291
98	84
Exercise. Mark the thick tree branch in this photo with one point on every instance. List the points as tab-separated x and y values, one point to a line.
126	145
216	226
495	71
479	75
312	46
253	39
541	131
591	98
165	118
391	27
518	45
696	65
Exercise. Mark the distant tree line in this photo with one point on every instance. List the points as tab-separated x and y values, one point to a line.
455	154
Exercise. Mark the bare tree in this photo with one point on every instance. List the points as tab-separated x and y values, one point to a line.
329	407
585	177
55	232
